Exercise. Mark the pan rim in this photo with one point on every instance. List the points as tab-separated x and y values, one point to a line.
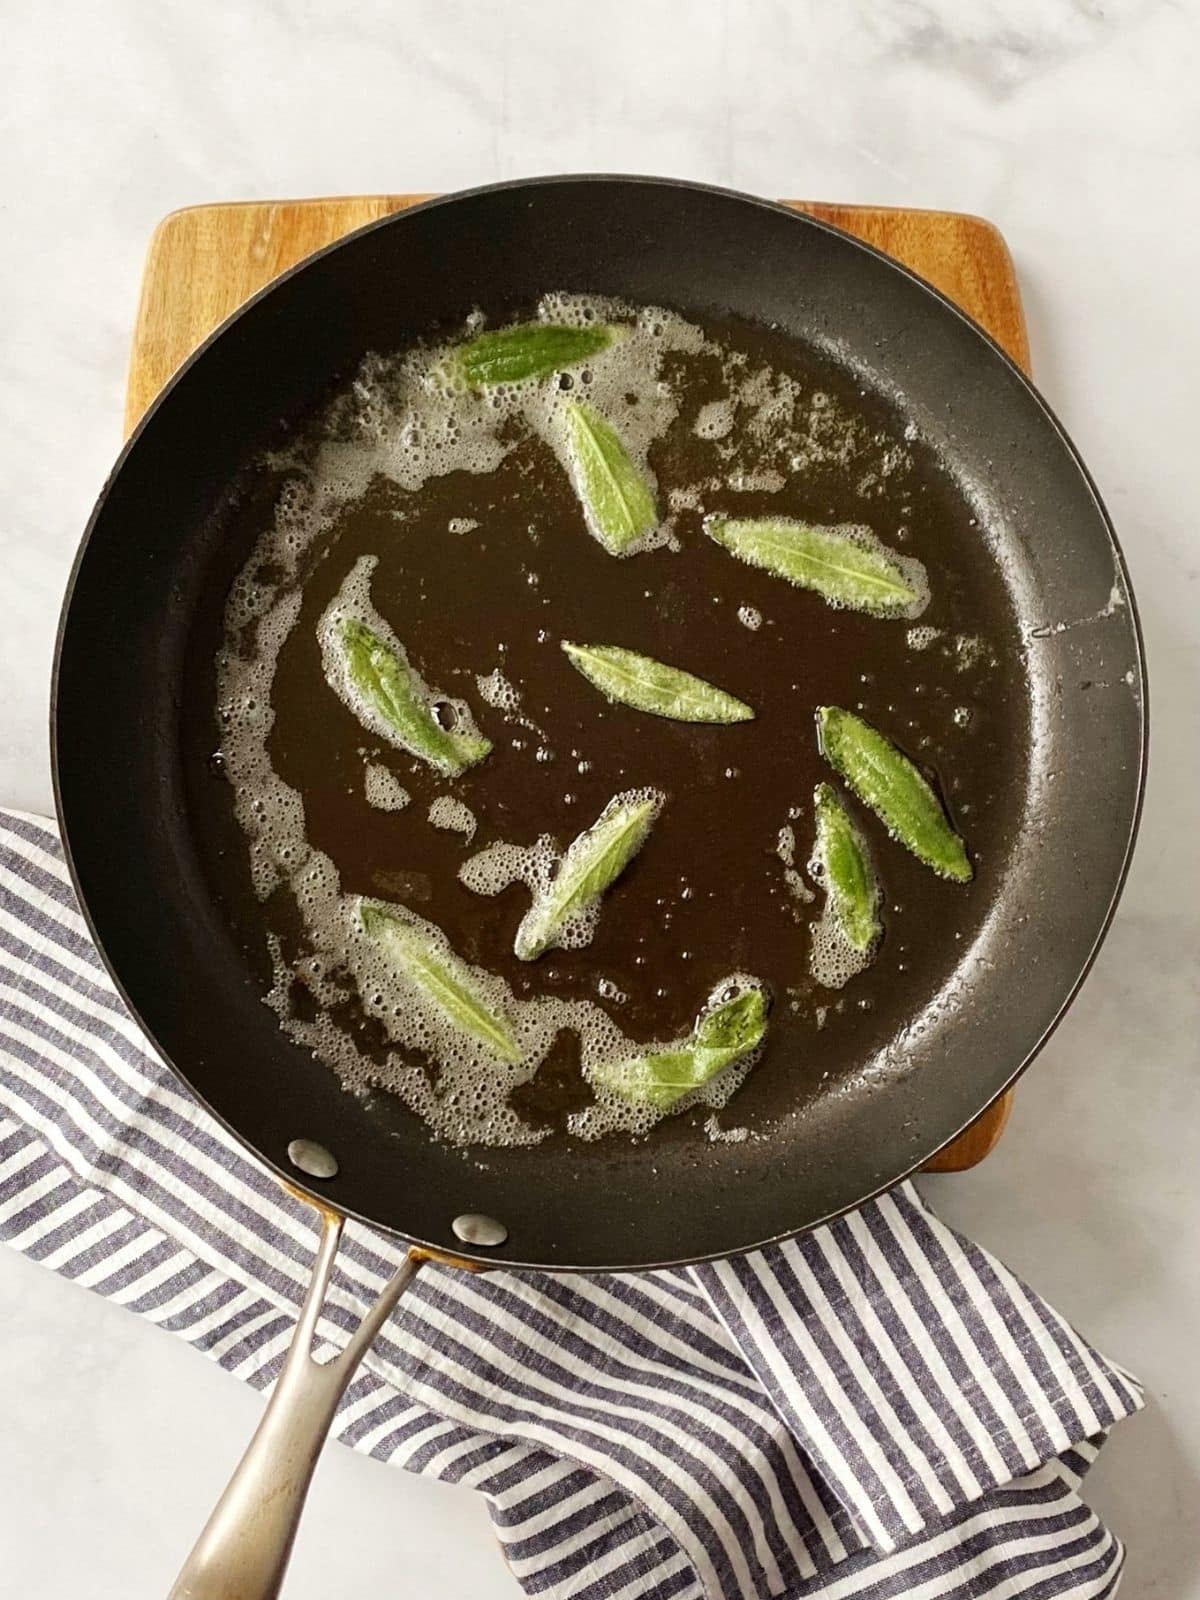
500	1261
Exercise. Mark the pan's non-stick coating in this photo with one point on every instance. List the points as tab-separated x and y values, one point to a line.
142	617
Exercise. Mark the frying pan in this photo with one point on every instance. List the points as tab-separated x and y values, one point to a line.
132	706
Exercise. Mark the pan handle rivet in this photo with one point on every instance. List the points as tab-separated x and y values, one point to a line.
312	1158
474	1228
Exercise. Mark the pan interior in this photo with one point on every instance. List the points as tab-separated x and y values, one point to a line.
999	480
485	574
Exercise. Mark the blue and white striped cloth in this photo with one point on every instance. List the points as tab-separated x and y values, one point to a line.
880	1409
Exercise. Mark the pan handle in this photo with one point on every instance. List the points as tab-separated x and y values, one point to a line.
244	1550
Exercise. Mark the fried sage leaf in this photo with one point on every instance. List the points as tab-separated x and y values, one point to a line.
430	965
529	350
723	1035
593	861
648	685
845	565
398	703
850	883
890	784
617	501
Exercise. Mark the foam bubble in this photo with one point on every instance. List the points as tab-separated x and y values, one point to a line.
495	689
452	816
383	789
493	869
715	419
833	960
921	638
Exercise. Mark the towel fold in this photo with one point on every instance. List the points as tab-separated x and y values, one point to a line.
878	1409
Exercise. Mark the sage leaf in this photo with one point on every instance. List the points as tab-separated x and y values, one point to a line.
529	350
635	680
426	960
594	860
726	1033
887	781
397	702
846	565
618	504
850	884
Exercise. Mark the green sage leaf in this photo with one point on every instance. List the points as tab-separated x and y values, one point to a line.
617	501
725	1034
850	883
593	861
847	566
635	680
887	781
397	699
427	961
529	350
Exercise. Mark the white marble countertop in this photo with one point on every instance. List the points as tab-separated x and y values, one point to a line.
1074	127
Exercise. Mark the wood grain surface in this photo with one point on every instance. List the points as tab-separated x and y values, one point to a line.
204	261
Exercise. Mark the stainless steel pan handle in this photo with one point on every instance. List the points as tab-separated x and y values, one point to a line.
244	1550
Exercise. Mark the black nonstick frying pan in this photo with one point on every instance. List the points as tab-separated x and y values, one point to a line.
132	706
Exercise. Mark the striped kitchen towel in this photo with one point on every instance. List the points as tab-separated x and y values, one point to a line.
880	1409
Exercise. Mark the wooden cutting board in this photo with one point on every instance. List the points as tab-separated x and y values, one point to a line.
204	261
